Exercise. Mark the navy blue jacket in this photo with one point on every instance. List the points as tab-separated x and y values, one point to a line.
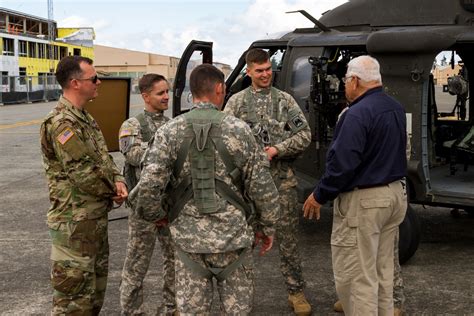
368	148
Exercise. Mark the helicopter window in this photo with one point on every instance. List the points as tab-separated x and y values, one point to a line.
452	130
300	77
450	87
187	97
277	60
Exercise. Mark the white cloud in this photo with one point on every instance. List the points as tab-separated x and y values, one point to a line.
79	21
147	44
231	33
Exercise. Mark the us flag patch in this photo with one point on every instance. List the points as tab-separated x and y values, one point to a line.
65	136
125	132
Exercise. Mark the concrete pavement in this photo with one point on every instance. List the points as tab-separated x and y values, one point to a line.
439	279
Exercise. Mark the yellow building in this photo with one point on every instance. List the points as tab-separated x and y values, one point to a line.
29	56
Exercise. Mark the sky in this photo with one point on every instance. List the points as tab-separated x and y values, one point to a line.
166	27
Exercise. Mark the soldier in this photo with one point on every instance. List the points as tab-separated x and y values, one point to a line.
211	167
83	184
282	131
134	136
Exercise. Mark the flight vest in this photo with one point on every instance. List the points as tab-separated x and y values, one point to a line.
129	170
251	119
202	138
262	131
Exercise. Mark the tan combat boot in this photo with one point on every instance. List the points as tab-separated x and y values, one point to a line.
397	311
338	307
299	304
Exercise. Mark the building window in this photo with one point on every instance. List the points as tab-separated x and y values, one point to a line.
22	79
22	49
49	52
8	49
77	52
62	52
32	50
42	78
41	51
56	52
4	78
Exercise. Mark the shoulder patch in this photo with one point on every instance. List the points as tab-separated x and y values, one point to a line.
297	121
125	132
65	135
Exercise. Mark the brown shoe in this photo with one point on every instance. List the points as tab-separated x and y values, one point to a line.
299	304
338	307
397	311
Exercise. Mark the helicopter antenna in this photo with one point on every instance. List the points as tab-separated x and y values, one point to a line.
320	25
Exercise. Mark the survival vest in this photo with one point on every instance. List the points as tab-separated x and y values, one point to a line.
202	137
129	170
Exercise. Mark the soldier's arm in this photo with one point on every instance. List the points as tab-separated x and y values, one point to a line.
131	142
155	177
231	106
117	175
300	133
85	170
260	186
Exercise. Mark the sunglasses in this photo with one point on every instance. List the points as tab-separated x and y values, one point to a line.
346	79
92	79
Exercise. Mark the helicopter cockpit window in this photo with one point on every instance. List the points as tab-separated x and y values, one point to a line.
187	97
300	76
277	60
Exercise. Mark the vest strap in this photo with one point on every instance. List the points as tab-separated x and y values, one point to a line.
209	273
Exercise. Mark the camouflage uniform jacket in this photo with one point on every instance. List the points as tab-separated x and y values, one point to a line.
132	145
81	174
288	130
226	229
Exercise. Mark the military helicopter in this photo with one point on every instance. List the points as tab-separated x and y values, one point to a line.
405	36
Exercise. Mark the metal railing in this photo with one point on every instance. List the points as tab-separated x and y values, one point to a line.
26	89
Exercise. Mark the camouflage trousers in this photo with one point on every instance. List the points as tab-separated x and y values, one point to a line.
398	292
79	255
194	293
140	246
286	231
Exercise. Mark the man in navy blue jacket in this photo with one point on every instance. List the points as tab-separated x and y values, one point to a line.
365	170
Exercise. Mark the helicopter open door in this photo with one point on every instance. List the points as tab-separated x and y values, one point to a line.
197	53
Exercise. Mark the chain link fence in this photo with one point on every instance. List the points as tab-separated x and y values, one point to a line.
26	89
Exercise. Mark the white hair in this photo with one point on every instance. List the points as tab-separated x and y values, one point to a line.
365	67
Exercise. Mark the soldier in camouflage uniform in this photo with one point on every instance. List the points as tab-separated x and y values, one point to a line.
212	168
83	184
134	136
282	131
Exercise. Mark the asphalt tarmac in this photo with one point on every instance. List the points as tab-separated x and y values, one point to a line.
439	279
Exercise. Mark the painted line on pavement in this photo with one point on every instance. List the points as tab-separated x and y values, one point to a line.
39	121
20	124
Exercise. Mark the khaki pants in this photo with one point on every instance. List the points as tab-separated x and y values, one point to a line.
364	227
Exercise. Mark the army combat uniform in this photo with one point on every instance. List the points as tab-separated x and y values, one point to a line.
276	120
201	155
81	179
134	135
